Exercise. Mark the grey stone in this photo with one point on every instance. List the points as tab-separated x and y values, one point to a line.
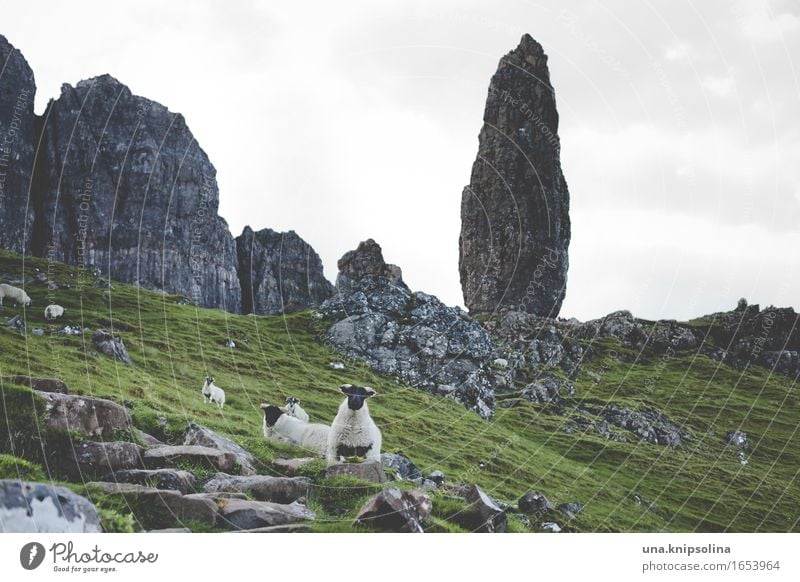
111	345
105	456
570	509
484	513
87	415
396	510
244	514
367	471
404	468
279	273
366	260
27	507
737	438
261	487
534	503
288	528
174	479
205	437
169	456
40	384
291	467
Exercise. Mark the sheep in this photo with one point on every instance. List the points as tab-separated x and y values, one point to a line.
280	426
53	312
18	295
212	393
293	408
353	432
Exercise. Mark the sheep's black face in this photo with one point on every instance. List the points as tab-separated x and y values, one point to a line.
271	414
209	379
291	401
356	395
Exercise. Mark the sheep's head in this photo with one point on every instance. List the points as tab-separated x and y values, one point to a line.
291	402
271	414
356	395
209	380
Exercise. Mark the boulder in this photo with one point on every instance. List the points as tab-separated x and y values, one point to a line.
291	467
650	425
366	471
160	508
111	345
173	479
245	514
146	439
261	487
437	477
27	507
396	510
534	503
515	225
570	509
404	468
40	384
170	456
205	437
84	414
147	192
94	457
483	514
279	273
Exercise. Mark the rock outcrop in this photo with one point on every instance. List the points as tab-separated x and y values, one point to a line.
126	189
27	507
18	138
414	336
515	226
279	272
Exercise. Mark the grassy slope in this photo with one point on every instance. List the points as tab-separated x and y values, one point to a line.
700	487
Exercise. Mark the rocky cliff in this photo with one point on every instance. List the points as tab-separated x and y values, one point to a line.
515	226
17	146
126	188
279	272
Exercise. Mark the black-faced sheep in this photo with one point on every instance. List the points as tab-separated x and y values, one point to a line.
281	427
293	408
213	393
353	432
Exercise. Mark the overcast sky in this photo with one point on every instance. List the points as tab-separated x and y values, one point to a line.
680	127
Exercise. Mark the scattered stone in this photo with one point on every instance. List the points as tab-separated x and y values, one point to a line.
742	458
396	510
336	365
262	487
40	384
16	324
84	414
37	331
111	345
288	528
169	456
737	438
651	505
570	509
649	425
437	477
366	471
205	437
229	343
484	513
27	507
244	514
551	526
173	479
404	468
534	503
291	467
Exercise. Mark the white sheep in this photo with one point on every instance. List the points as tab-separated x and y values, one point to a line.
293	408
53	312
18	295
353	432
213	393
279	426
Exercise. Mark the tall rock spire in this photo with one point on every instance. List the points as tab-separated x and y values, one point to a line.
515	226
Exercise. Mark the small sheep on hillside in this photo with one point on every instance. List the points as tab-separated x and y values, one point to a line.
53	312
18	295
279	426
293	408
213	393
353	432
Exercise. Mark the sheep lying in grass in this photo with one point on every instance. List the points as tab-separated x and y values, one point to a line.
213	393
18	295
293	408
353	432
279	426
53	312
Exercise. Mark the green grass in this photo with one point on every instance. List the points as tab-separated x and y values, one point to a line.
699	487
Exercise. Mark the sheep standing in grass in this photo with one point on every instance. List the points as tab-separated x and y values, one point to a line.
293	408
279	426
18	295
353	432
213	393
53	312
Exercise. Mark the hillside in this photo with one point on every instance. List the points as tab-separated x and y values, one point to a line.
698	486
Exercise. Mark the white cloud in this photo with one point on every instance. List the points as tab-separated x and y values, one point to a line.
719	86
678	51
762	21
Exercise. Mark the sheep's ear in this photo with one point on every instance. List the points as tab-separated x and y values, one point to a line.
264	405
345	388
370	392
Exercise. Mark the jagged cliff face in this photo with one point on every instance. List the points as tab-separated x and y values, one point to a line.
279	273
126	189
515	228
17	148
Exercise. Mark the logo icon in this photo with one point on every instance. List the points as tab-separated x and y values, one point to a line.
31	555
